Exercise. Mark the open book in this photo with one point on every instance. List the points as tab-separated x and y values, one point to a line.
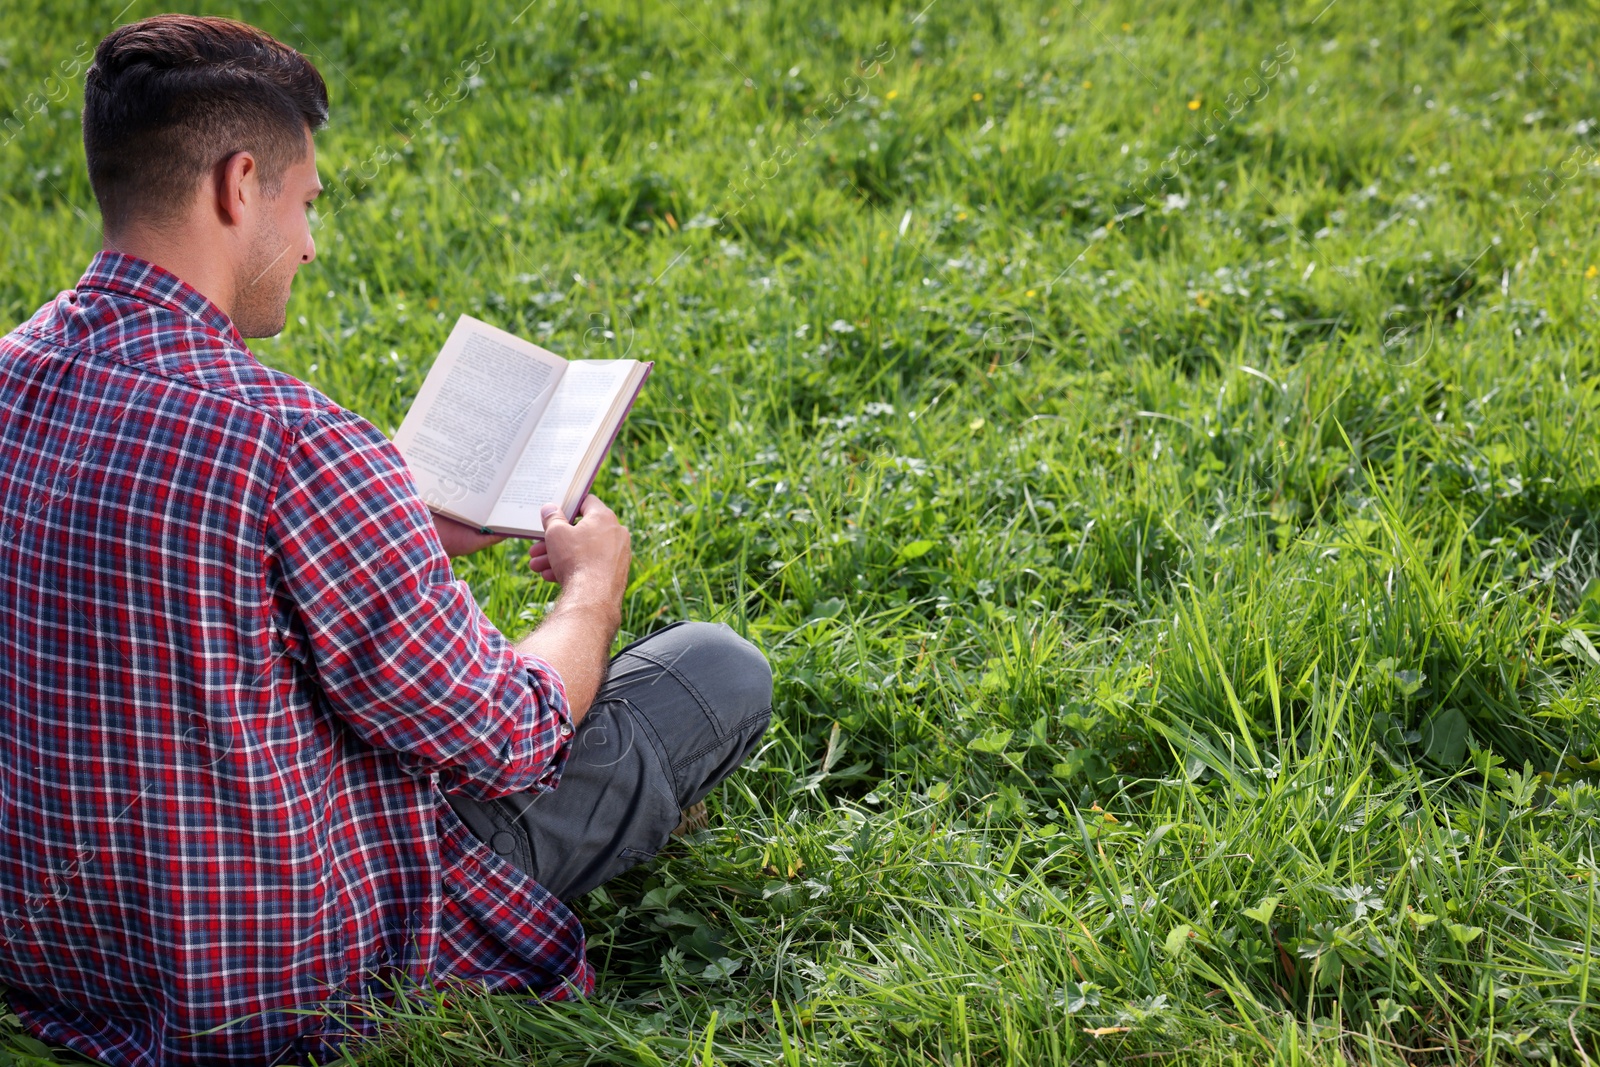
502	427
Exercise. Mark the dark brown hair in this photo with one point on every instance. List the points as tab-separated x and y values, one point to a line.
170	97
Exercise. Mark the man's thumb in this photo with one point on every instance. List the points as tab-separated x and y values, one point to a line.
549	513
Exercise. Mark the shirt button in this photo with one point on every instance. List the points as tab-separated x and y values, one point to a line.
566	729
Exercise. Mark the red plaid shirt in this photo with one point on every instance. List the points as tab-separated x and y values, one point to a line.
236	671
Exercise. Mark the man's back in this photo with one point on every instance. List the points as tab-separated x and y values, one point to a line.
231	643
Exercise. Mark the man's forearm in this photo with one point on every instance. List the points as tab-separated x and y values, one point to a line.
575	638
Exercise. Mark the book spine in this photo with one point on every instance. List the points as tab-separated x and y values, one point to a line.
595	473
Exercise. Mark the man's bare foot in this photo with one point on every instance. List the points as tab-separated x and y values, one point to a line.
694	818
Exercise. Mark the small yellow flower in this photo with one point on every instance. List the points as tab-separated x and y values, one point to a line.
1194	105
1203	298
892	94
961	216
1088	84
1030	292
1592	272
1126	26
977	96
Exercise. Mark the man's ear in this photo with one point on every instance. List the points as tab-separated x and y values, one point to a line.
236	186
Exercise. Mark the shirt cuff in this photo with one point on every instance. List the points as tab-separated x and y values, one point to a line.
551	735
544	677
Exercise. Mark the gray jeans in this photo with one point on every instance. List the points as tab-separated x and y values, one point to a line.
680	710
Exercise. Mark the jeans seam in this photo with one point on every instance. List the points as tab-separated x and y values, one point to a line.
689	688
647	729
721	741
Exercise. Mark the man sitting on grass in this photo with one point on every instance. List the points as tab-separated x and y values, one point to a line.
262	757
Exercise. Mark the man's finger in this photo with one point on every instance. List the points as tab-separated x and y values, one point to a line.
593	505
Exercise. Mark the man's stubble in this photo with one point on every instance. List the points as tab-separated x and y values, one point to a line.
261	298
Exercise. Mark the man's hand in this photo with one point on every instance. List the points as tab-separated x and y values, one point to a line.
459	539
588	557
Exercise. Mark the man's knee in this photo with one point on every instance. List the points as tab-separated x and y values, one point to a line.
729	672
733	684
705	692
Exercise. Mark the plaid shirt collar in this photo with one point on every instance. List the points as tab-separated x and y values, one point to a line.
125	275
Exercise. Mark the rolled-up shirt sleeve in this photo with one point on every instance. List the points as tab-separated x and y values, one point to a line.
397	644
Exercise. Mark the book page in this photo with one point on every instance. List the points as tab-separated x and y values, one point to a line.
473	415
552	457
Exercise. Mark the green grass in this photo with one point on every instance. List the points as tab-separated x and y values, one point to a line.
1182	597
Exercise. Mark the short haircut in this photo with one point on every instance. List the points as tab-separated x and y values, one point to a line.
170	97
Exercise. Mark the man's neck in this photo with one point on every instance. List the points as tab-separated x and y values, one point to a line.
190	258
